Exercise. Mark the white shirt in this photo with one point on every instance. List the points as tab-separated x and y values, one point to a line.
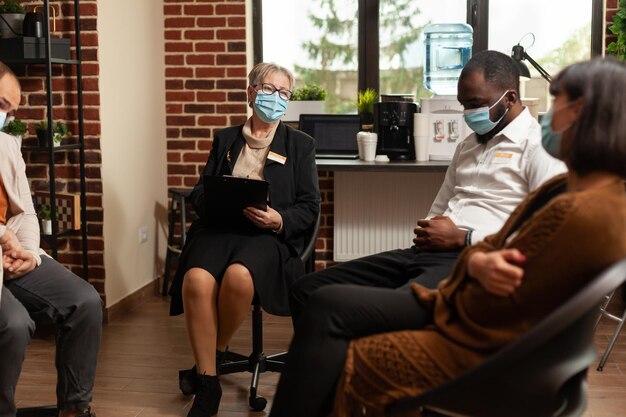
485	182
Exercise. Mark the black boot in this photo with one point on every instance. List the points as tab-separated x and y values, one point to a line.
187	380
208	395
187	377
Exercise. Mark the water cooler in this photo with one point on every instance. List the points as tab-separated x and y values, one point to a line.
440	125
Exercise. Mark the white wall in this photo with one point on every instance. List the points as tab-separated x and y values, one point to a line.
133	143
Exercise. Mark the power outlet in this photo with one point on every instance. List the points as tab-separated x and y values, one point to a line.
143	234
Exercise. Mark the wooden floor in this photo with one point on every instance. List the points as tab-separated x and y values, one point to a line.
141	353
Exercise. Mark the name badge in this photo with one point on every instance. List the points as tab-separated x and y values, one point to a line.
502	157
277	158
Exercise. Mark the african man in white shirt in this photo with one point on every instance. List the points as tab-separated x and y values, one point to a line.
491	172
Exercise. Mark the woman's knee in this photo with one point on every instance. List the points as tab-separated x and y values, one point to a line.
198	283
238	282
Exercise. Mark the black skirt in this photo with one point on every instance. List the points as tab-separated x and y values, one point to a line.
271	262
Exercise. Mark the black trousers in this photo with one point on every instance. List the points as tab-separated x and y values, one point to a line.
333	316
391	269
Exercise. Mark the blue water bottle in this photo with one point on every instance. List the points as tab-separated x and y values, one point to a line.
448	48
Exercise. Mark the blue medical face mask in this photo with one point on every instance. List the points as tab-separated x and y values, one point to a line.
3	119
478	119
550	139
270	107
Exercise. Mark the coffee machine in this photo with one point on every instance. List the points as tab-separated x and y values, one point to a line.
393	122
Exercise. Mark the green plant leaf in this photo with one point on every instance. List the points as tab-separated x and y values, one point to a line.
15	128
309	92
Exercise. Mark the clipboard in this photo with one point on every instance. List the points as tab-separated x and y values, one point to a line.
225	197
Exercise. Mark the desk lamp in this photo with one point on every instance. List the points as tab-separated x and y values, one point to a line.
520	55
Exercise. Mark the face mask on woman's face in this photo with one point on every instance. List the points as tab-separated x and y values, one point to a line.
270	107
478	119
550	139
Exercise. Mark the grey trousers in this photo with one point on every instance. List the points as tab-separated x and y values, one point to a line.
51	295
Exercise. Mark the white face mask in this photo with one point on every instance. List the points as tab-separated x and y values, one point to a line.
3	119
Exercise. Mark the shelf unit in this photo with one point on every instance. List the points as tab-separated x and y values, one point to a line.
48	60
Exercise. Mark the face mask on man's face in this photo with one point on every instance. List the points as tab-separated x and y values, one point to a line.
478	119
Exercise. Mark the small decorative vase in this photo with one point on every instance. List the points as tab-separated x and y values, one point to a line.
46	227
42	136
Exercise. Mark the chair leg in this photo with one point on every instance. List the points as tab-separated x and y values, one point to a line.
618	329
170	242
603	306
256	402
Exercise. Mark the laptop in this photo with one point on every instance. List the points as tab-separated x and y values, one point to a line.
225	197
334	134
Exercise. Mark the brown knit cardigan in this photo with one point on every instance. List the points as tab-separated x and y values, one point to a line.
567	239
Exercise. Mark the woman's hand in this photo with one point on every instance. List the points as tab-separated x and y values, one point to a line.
17	263
268	219
499	272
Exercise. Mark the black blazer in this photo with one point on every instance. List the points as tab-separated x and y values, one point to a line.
293	190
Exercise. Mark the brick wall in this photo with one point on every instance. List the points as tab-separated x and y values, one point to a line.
206	80
33	110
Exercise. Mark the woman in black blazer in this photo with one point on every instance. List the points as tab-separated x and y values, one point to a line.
222	265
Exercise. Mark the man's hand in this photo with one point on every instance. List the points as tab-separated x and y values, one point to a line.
499	272
17	263
438	234
9	241
268	219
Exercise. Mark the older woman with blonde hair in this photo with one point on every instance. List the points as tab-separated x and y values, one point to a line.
224	264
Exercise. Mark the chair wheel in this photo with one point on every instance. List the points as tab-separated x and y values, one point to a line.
258	403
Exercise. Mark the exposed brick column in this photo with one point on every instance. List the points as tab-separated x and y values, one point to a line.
205	76
33	110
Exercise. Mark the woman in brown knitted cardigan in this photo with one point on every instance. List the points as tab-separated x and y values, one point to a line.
561	235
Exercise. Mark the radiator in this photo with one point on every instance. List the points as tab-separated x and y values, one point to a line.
377	211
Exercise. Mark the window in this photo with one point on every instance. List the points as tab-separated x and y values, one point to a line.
401	52
553	48
319	39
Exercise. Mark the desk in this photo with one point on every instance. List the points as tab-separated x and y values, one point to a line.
377	204
356	165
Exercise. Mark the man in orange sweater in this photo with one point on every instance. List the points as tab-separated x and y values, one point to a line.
37	288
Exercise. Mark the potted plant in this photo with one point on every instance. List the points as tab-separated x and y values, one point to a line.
11	18
59	131
365	105
15	128
45	215
618	47
308	99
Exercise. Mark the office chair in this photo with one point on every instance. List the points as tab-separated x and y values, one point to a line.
257	362
543	373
